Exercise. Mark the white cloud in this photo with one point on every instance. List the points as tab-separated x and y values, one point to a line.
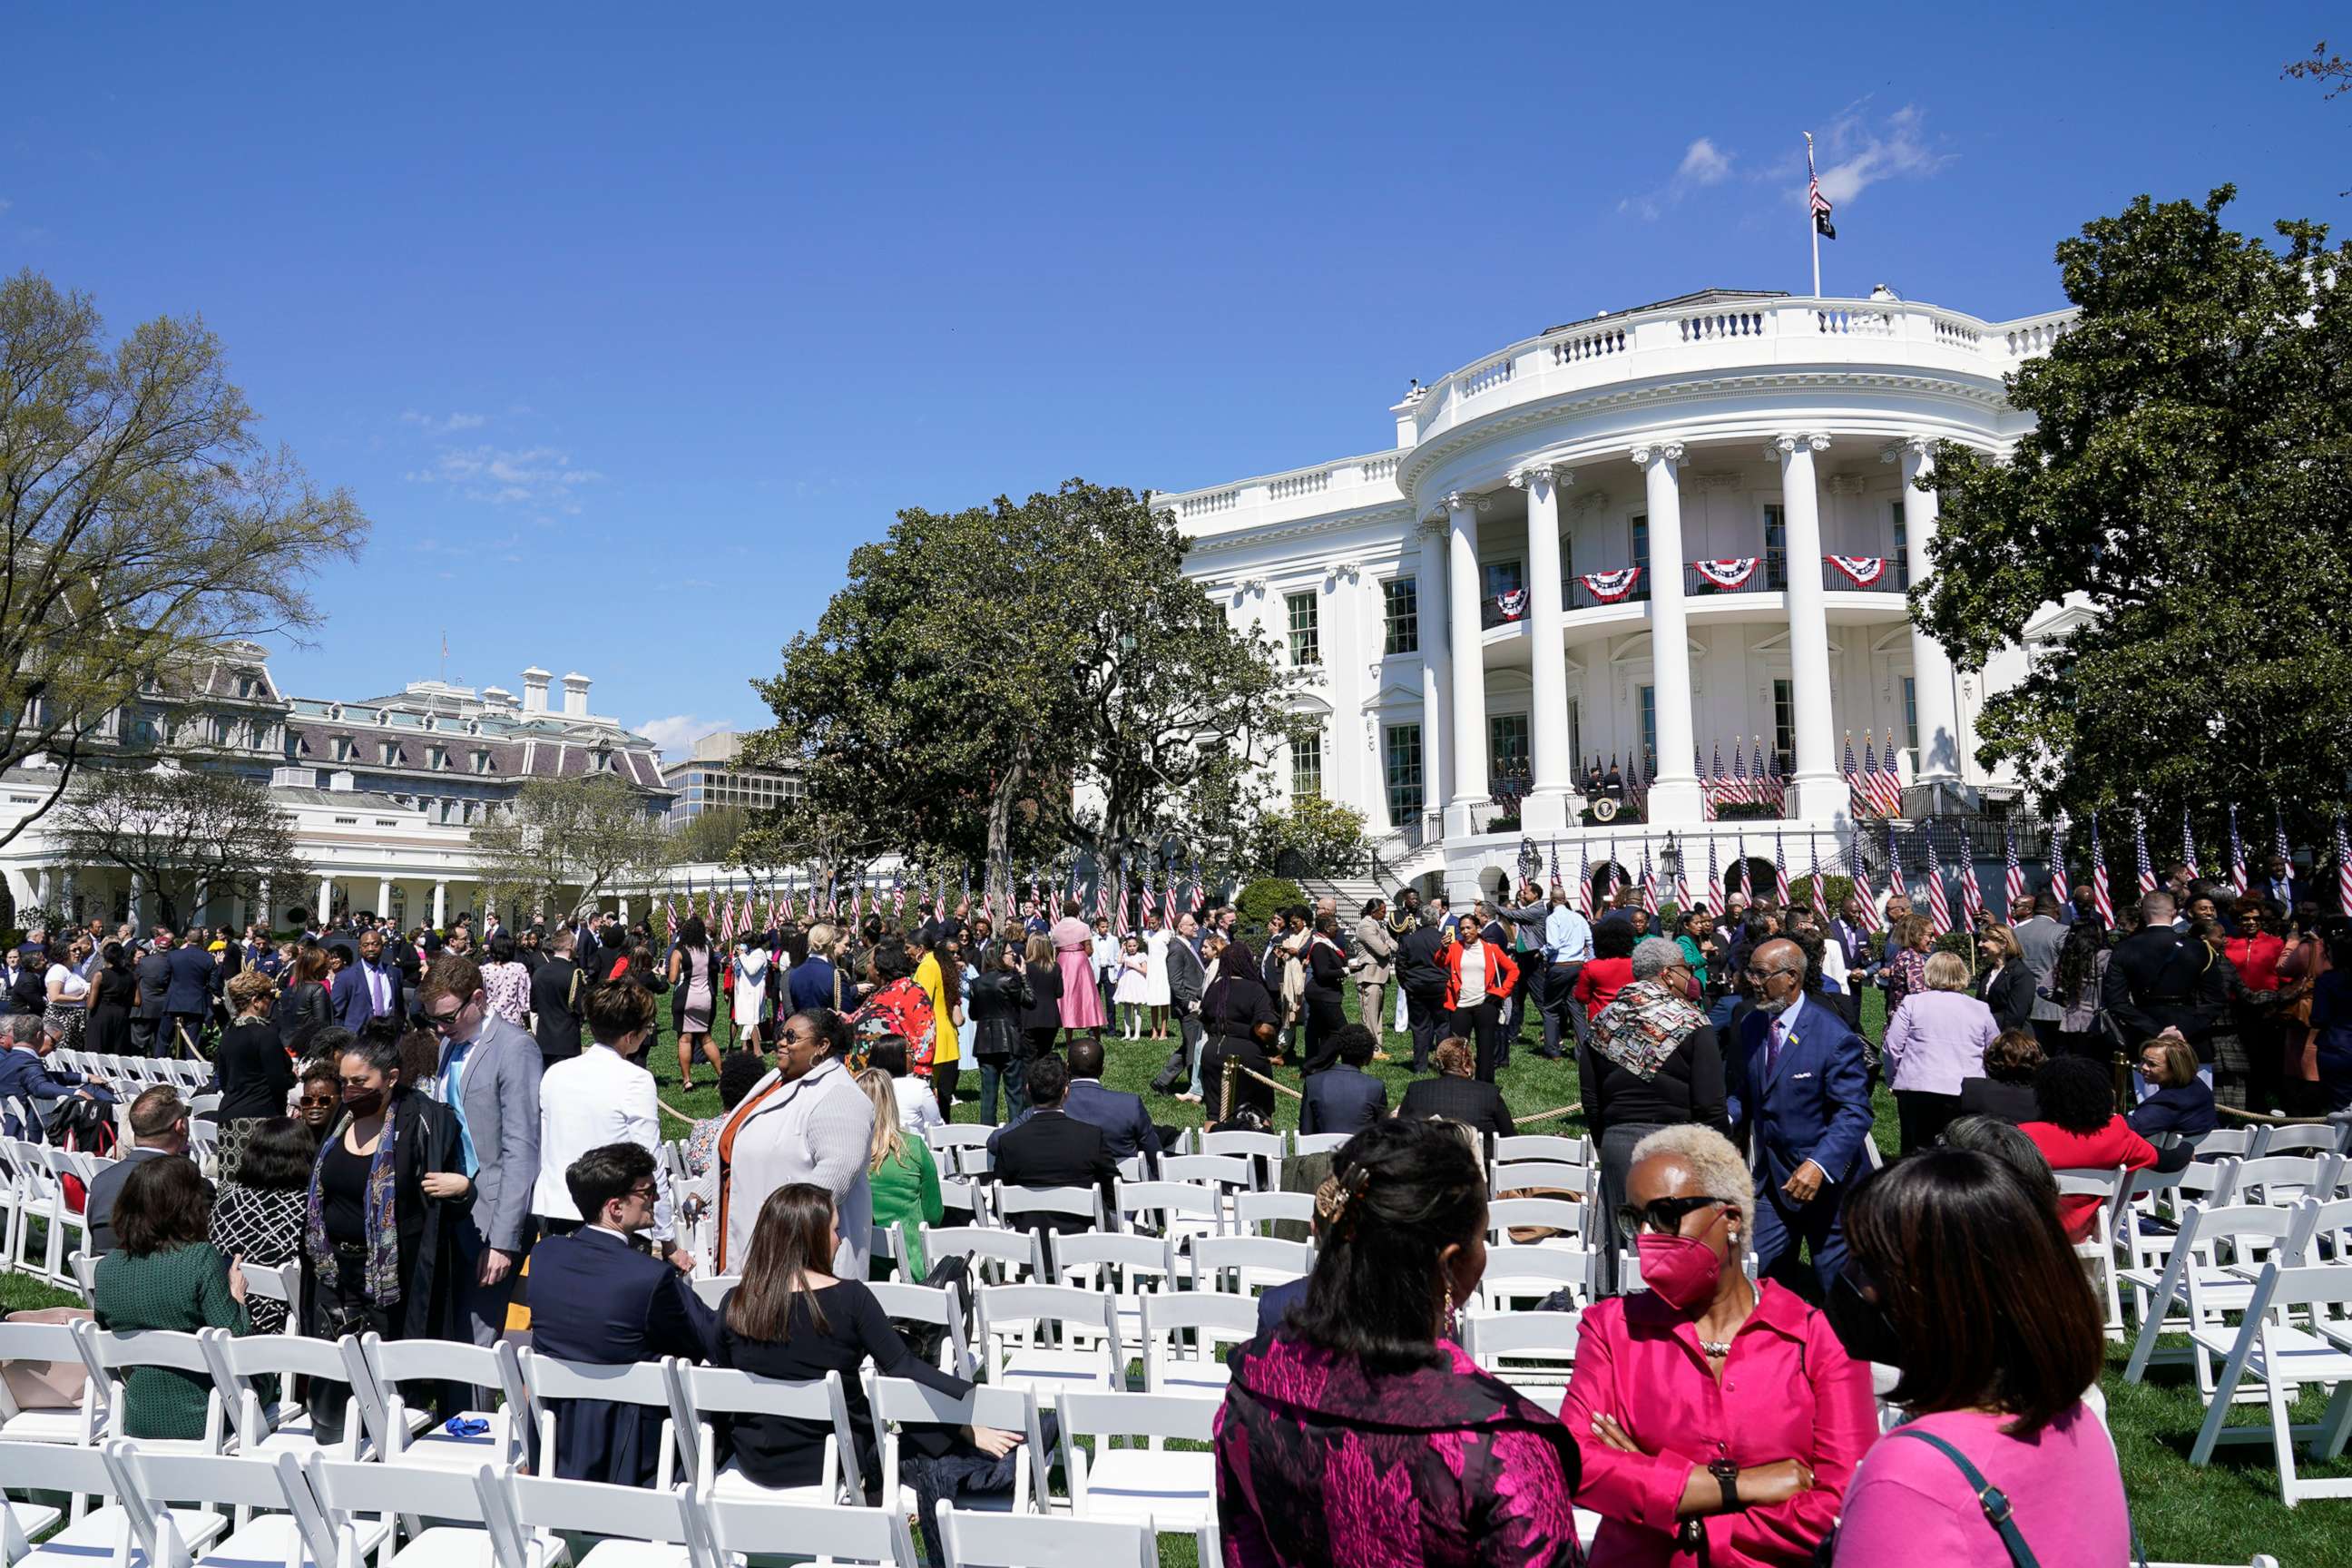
534	476
678	732
1704	164
1857	151
442	424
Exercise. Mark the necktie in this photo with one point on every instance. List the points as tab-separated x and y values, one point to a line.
1772	1051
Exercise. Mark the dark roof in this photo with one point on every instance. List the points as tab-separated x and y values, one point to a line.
1702	296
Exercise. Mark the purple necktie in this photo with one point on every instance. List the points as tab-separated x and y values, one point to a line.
1772	1051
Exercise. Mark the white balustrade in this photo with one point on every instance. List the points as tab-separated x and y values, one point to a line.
1588	345
1289	486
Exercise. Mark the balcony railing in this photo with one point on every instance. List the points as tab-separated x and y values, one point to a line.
1712	579
1861	575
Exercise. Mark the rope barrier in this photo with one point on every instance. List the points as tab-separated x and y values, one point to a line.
2266	1117
674	1111
1232	1066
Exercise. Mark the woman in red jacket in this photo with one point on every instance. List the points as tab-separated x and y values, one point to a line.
1478	974
1611	968
2076	1129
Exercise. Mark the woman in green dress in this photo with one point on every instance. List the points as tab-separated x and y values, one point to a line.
165	1274
903	1176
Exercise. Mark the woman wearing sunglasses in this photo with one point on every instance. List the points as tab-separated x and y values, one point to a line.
1708	1405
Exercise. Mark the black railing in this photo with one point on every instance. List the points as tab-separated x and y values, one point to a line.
1580	597
1836	579
1697	584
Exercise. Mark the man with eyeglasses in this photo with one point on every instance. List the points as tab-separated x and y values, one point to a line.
488	1076
1800	1101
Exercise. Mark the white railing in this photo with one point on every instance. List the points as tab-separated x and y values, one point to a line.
1708	325
1478	378
1588	345
2030	338
1379	469
1289	486
1838	320
1955	334
1212	501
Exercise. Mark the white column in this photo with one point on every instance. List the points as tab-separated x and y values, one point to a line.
1467	805
41	886
1549	766
440	905
1673	796
326	899
1816	793
383	896
1436	666
1933	692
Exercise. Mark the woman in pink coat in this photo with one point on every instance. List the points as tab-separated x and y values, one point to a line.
1074	955
1708	1405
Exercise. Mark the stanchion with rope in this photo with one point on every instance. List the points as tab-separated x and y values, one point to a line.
1235	1069
2269	1119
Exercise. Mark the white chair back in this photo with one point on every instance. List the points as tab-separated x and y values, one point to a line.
700	1393
553	1382
974	1539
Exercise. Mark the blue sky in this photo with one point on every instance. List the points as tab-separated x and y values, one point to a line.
626	323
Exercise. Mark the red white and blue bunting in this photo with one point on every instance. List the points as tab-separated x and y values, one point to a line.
1727	575
1609	588
1513	604
1863	570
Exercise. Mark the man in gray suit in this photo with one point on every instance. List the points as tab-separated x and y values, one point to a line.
489	1075
2039	937
1187	983
154	972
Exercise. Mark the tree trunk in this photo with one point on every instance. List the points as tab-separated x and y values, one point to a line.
1001	799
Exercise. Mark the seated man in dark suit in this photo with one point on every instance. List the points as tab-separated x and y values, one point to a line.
596	1298
159	1128
1054	1149
1345	1099
1126	1125
27	1077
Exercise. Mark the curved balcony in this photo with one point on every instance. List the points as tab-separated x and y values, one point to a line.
1749	588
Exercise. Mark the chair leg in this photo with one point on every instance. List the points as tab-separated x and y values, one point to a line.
2335	1424
2281	1424
2225	1391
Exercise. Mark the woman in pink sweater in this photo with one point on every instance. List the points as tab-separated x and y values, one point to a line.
1959	1276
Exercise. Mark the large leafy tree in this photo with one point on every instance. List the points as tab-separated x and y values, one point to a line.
189	833
978	664
560	842
2188	482
143	521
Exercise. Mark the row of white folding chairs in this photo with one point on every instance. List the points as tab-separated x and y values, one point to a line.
174	1511
2262	1140
2208	1270
32	1191
2279	1357
186	1074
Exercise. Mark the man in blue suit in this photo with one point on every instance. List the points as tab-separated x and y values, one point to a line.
596	1298
1345	1099
1802	1104
27	1077
194	981
368	988
1126	1126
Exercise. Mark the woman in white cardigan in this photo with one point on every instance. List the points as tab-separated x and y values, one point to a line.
806	1121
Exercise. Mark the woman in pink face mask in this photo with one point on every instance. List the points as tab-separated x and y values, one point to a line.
1705	1404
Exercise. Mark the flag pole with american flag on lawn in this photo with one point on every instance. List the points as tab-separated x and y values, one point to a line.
1817	214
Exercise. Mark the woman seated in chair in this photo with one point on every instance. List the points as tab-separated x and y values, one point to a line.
1456	1094
258	1216
165	1273
2077	1129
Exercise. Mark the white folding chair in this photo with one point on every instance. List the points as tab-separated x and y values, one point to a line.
1253	1212
1532	1352
1008	1203
1012	1320
713	1289
974	1539
741	1528
2300	1140
997	1256
1534	1272
2208	1270
1505	1215
640	1527
700	1393
276	1517
553	1384
58	1345
282	1423
1210	1319
408	1442
962	1149
2097	1250
1151	1486
118	1357
280	1282
1266	1146
1128	1268
938	1305
123	1532
1228	1172
2279	1356
1172	1209
2285	1179
1541	1178
2238	1143
66	1222
1318	1143
894	1402
471	1524
1253	1263
1542	1146
39	1199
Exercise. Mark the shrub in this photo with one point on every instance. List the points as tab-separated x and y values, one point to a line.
1266	898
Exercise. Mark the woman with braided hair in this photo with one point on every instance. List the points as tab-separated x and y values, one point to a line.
1357	1431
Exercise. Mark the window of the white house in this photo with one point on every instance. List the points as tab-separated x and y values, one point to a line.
1901	549
1401	603
1506	745
1505	577
1784	723
1306	766
1400	745
1642	542
1776	549
1646	698
1575	730
1911	713
1305	633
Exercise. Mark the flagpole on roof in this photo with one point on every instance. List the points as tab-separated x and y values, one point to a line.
1812	223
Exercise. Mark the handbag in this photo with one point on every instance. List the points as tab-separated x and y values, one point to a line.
47	1385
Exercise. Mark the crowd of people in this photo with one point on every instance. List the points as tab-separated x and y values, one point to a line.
460	1137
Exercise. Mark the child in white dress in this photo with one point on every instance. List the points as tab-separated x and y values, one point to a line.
1133	993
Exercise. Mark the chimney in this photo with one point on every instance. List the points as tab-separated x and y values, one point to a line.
534	690
496	697
575	696
342	780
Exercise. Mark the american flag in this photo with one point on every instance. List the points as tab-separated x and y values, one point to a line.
1971	893
1119	905
2139	852
1939	903
2013	882
1890	779
1736	791
726	919
1857	787
1894	864
2059	883
1584	880
1860	871
1200	893
1168	897
897	896
2101	899
1649	884
1776	785
1682	883
669	913
1781	892
1714	883
2187	844
1555	862
2343	867
2281	891
1819	203
1102	890
1714	794
2238	857
1821	888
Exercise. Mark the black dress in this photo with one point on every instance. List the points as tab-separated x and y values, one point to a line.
109	1013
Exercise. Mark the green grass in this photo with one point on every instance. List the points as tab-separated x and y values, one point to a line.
2222	1513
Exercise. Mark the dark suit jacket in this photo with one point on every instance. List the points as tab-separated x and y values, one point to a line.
24	1076
596	1299
2159	978
354	1001
2008	992
556	1014
1126	1126
195	980
1054	1149
153	971
98	1204
1463	1099
1342	1098
1814	1104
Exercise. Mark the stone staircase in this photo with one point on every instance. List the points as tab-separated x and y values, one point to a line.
1351	892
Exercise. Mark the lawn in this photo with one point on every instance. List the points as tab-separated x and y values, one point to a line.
2222	1514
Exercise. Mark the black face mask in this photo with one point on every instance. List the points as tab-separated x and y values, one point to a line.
365	1103
1861	1325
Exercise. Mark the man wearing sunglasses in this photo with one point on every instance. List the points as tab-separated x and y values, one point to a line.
1802	1106
489	1075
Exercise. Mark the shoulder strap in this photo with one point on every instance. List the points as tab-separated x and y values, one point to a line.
1990	1498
